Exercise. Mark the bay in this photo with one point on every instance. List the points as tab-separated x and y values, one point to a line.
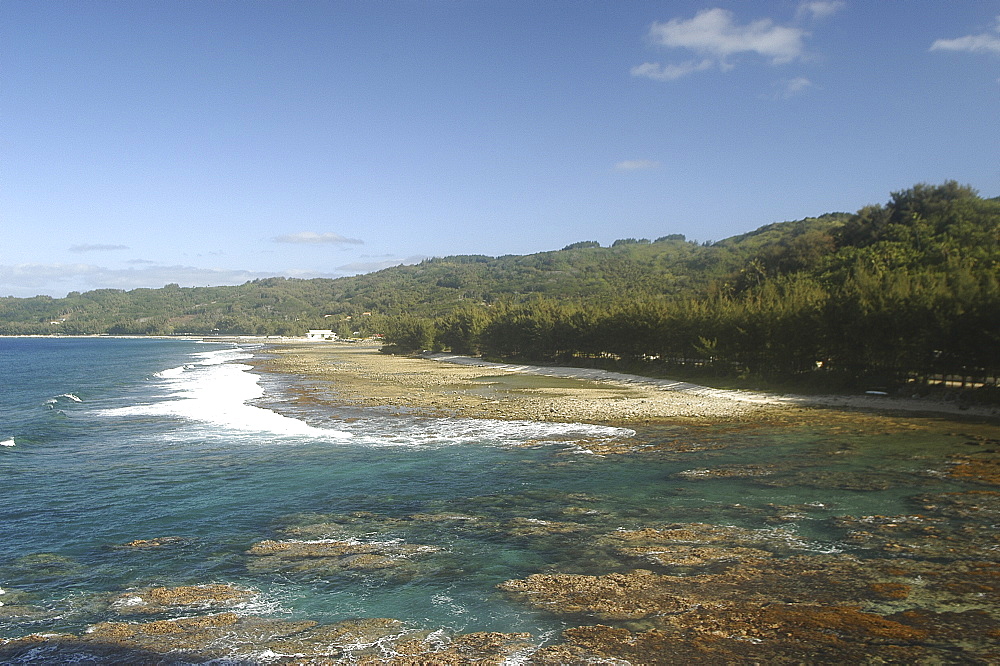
138	464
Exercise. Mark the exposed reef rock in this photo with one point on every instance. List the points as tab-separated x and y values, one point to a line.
162	599
726	472
979	468
721	593
158	542
230	638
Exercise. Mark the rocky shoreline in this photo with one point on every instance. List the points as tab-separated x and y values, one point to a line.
447	385
436	385
913	586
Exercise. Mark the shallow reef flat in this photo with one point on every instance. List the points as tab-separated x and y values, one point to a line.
910	588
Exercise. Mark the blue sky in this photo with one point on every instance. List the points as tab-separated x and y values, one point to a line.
205	143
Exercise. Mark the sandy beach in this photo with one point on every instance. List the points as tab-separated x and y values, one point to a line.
351	374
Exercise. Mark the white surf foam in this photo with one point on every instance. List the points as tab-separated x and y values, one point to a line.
452	431
171	372
216	391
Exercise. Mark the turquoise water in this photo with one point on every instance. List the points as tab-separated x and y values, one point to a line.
108	441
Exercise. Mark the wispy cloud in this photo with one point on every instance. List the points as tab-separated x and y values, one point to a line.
789	88
636	165
670	72
96	247
371	266
818	9
25	280
715	37
313	238
984	42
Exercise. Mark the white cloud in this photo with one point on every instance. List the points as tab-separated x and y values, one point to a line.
714	33
636	165
818	9
97	247
715	37
313	238
981	43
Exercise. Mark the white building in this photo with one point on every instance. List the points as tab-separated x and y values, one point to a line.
321	334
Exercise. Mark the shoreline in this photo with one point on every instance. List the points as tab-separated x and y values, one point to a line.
558	394
838	401
449	385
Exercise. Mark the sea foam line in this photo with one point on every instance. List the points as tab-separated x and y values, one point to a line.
454	431
217	391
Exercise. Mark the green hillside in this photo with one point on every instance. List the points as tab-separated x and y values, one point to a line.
905	291
583	272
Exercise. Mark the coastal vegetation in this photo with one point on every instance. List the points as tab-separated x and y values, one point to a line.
907	291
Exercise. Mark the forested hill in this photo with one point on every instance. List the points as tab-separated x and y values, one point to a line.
581	272
909	288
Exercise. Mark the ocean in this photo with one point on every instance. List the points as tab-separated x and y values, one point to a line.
131	465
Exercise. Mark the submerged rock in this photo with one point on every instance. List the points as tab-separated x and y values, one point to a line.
923	536
332	556
16	605
41	566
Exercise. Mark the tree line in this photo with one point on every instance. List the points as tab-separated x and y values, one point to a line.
904	292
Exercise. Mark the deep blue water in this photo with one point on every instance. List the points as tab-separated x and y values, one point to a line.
107	441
